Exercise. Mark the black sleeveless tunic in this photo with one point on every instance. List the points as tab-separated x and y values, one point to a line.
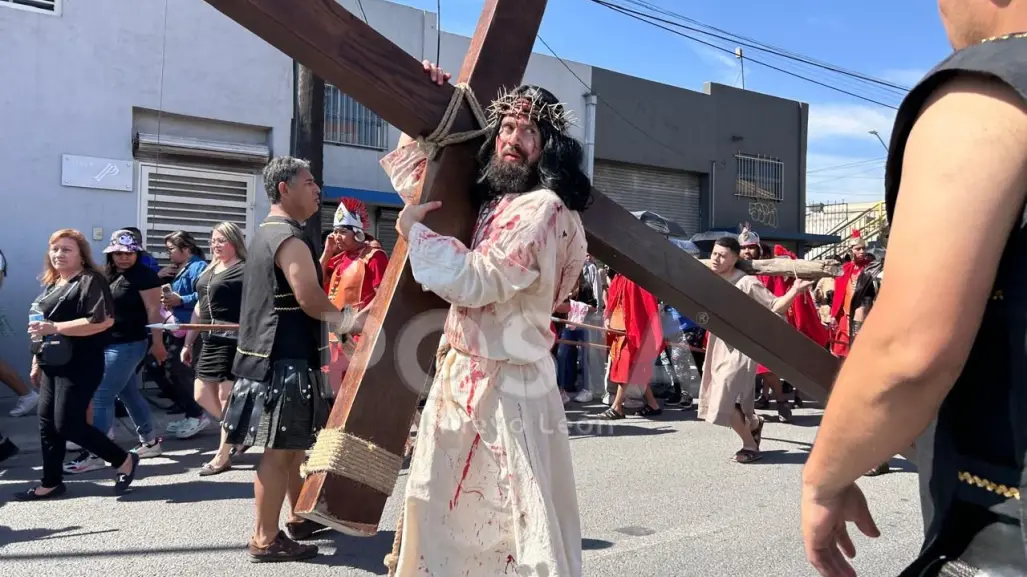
978	469
280	399
272	326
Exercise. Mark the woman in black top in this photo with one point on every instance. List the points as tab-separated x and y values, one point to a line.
78	309
135	289
220	298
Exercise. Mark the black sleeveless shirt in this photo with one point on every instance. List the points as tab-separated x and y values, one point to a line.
982	424
272	326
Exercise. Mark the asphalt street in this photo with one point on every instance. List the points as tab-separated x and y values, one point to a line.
658	497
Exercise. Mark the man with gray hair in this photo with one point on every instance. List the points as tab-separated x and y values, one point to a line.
281	398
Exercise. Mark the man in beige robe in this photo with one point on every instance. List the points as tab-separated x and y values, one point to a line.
727	395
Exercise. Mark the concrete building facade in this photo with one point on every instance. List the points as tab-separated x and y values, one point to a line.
709	160
127	114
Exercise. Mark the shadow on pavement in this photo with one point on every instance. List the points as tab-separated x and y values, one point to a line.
578	430
595	544
165	550
782	458
23	467
190	492
365	553
9	536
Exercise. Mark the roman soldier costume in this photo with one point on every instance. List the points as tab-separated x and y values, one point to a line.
748	237
844	289
353	276
978	472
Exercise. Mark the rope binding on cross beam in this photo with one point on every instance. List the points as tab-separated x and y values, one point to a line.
441	138
346	455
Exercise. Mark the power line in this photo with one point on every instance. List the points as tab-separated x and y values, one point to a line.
755	44
600	99
846	165
364	14
629	14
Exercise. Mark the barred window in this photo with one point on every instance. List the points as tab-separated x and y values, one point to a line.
759	177
351	123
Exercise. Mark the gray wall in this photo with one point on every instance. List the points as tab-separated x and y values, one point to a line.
74	88
643	122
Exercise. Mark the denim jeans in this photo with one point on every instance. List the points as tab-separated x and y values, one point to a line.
121	379
567	360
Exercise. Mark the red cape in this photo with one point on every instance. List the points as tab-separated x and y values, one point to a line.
803	313
849	269
644	341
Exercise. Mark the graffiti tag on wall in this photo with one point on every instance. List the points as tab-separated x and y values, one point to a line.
763	212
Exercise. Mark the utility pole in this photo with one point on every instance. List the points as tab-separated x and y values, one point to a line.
741	61
881	140
308	134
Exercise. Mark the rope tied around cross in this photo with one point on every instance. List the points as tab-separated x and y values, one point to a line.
340	453
441	137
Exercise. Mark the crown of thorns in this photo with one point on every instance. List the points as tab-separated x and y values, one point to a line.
507	104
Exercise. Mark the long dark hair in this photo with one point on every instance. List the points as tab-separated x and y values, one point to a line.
558	167
182	240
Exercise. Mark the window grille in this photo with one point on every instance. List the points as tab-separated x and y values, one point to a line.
351	123
759	177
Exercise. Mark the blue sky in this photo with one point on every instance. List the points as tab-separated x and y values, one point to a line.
889	40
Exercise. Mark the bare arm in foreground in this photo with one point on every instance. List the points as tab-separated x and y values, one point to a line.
964	170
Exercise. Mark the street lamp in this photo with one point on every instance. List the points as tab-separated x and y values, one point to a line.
874	132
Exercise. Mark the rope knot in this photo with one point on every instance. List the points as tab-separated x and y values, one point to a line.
441	137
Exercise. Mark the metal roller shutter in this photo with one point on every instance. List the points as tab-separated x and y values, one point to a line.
385	232
192	200
328	208
669	193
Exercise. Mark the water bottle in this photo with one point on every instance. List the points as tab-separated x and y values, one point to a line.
36	316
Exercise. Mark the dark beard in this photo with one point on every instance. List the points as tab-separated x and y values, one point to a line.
506	177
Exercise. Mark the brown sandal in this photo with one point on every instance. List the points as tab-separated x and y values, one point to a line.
746	456
281	549
757	433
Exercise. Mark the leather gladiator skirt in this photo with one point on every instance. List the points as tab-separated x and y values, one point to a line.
978	533
285	412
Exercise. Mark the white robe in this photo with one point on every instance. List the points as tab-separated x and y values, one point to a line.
491	486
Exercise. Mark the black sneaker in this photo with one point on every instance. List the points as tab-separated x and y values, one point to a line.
8	449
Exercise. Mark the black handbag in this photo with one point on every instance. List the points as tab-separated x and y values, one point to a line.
56	350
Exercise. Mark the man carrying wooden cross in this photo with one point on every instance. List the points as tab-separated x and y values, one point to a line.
491	487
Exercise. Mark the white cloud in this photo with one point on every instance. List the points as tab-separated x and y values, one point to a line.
907	77
726	69
849	121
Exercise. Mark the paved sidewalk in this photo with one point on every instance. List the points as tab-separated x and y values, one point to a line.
657	498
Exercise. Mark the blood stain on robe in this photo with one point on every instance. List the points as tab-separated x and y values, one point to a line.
467	469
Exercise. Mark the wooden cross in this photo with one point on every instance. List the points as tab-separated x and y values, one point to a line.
376	404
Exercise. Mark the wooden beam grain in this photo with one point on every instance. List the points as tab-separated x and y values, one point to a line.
619	239
352	56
